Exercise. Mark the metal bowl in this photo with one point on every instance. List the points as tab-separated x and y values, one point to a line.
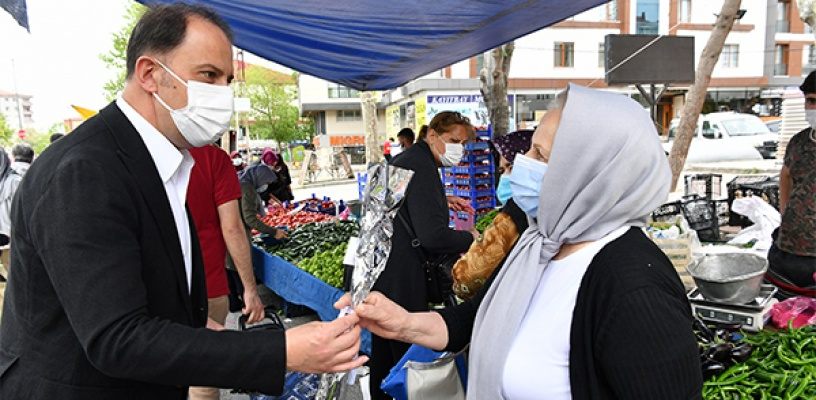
733	278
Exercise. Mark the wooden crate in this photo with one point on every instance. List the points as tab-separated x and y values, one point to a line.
679	253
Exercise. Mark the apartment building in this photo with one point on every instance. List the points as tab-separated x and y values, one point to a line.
10	108
768	49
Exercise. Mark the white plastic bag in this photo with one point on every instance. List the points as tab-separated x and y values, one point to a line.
765	218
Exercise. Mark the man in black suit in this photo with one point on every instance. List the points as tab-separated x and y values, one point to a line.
107	296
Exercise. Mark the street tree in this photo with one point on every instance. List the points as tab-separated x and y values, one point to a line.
493	77
115	58
6	132
272	96
697	93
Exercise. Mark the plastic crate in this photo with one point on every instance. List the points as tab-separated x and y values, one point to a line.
473	169
476	180
751	185
476	158
723	211
667	212
705	185
701	214
484	204
362	180
474	193
470	146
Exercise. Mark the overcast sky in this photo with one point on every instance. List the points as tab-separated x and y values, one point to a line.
58	62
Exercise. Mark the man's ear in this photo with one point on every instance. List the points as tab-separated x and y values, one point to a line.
145	74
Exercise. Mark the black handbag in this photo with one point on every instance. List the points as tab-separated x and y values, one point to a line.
438	278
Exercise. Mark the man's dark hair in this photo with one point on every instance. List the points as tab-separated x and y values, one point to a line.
809	85
55	137
162	28
406	133
22	152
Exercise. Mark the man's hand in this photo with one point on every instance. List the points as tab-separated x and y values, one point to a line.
319	347
281	234
253	307
459	204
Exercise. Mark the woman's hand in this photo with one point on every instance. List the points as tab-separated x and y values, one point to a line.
388	320
379	315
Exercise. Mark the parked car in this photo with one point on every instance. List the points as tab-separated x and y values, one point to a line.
774	124
727	136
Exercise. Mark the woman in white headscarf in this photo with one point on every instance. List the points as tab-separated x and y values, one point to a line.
586	306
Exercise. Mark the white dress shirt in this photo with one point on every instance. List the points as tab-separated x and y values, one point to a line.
537	366
174	168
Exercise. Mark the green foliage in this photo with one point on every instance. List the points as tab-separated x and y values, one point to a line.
272	96
115	58
6	132
38	140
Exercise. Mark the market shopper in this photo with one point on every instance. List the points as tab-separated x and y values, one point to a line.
425	209
405	137
212	198
281	189
586	306
108	299
9	183
254	181
387	149
792	256
473	269
238	162
23	156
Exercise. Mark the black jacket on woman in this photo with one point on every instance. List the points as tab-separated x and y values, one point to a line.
425	207
631	335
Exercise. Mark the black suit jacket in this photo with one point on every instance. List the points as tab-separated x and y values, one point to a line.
97	305
425	207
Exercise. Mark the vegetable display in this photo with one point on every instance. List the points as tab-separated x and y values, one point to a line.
279	216
485	220
326	265
310	239
782	366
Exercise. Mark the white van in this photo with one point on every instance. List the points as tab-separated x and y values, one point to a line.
727	136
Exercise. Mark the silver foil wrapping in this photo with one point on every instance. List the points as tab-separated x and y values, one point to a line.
385	190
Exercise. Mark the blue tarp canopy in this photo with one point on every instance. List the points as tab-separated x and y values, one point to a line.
381	44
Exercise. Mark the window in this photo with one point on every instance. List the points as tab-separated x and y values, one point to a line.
349	115
341	92
781	60
684	11
782	12
729	57
811	54
563	54
601	53
612	11
647	16
479	63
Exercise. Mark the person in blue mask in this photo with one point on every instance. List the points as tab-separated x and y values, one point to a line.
586	306
473	269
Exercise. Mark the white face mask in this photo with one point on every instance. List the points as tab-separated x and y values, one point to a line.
453	154
810	117
207	114
262	188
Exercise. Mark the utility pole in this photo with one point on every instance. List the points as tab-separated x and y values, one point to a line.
17	97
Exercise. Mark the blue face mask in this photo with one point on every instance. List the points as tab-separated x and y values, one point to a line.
525	183
503	191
